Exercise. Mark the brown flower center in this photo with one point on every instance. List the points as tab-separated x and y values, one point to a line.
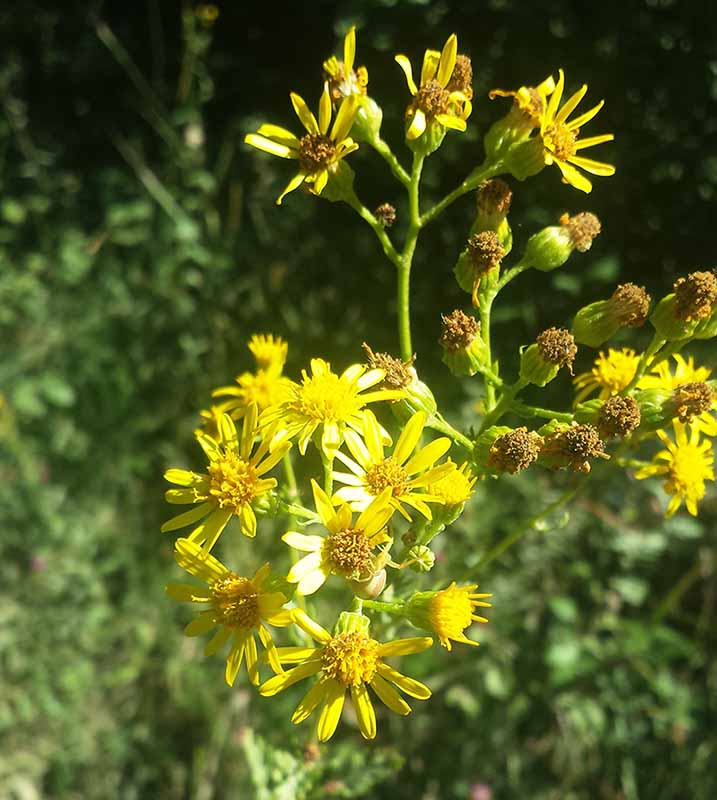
630	304
459	330
618	416
695	295
349	552
316	152
397	372
485	251
557	346
462	77
388	473
560	141
514	451
432	99
692	399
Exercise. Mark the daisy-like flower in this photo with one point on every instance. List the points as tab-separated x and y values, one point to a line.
686	464
238	606
232	482
560	137
610	374
406	472
456	486
693	400
349	548
320	150
265	387
436	100
328	401
448	613
352	661
343	80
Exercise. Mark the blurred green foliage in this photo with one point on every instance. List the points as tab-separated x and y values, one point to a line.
139	247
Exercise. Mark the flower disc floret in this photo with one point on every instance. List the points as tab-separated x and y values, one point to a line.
448	612
236	602
350	658
456	486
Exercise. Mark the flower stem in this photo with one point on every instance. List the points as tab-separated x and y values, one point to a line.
406	260
523	410
474	180
653	348
391	253
378	605
294	510
505	404
437	423
328	464
386	153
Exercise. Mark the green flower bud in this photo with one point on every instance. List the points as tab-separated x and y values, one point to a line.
551	248
707	328
371	588
596	323
463	347
483	444
481	259
651	402
367	123
422	558
525	159
587	411
665	321
352	622
572	447
429	141
554	348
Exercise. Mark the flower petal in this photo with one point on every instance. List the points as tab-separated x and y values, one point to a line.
188	517
409	437
294	183
235	657
593	167
303	542
417	126
389	696
325	110
316	695
583	119
211	529
311	582
269	146
308	120
279	134
364	711
331	711
220	638
349	49
280	682
428	455
344	119
405	647
407	685
308	625
304	566
574	177
405	65
570	105
448	60
324	508
198	562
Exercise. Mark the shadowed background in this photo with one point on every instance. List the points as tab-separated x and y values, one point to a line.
140	247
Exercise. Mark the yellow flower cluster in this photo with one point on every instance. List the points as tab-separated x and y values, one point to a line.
350	533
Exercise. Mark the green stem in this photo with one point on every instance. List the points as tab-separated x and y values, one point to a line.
529	524
292	509
678	591
437	423
328	464
510	274
523	410
474	180
389	608
485	305
388	248
386	153
406	259
295	510
652	349
505	404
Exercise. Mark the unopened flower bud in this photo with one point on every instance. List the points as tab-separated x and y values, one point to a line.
551	248
571	447
514	451
385	214
463	346
525	159
421	558
554	348
367	122
707	328
597	322
371	588
618	416
668	325
695	296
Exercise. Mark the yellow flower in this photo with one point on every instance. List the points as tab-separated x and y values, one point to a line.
610	374
456	486
687	464
238	606
530	101
434	101
320	150
560	138
689	390
350	660
328	401
447	613
407	472
233	480
348	550
343	80
266	387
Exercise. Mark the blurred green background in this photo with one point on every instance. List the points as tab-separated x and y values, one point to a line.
139	248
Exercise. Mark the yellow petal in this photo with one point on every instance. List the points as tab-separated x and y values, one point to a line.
308	120
555	98
206	534
389	696
252	659
304	566
324	508
280	682
198	562
269	146
220	638
331	711
578	122
201	624
234	659
182	477
315	696
308	625
186	593
372	436
570	105
294	183
405	65
574	178
407	685
409	437
295	655
449	121
448	60
282	135
349	50
428	455
311	582
431	60
405	647
188	517
181	496
271	650
417	126
320	179
325	109
300	541
364	711
593	167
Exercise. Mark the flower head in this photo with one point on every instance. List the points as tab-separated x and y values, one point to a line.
456	486
560	137
610	374
693	400
232	482
406	472
265	387
447	613
238	606
530	102
320	150
328	401
352	661
343	80
686	464
442	96
348	549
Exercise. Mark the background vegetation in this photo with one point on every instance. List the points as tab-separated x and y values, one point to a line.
139	247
